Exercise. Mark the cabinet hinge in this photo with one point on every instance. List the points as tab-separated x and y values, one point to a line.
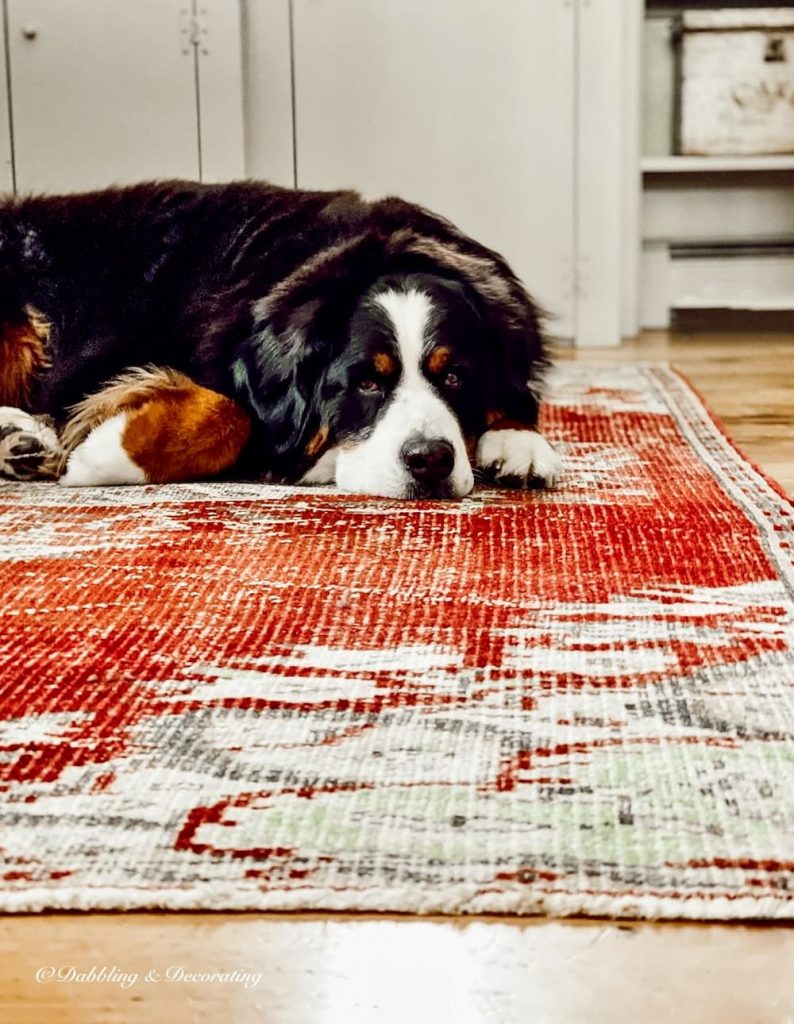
193	29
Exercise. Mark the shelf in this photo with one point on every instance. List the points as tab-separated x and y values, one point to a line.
782	304
709	164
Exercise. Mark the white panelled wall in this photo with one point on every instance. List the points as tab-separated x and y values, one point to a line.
267	91
510	117
507	117
465	108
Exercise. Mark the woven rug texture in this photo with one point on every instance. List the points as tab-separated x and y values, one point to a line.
221	696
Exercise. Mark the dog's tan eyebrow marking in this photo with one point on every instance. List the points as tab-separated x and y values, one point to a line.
384	364
438	359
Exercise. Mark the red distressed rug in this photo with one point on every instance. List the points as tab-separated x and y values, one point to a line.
239	696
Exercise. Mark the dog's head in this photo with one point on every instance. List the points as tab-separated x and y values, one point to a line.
401	400
385	389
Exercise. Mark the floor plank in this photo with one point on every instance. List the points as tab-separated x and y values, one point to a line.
364	970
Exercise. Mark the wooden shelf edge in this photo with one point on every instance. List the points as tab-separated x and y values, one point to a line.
712	164
783	304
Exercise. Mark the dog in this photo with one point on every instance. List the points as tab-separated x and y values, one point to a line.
175	331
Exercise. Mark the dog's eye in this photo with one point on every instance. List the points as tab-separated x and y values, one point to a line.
453	380
369	386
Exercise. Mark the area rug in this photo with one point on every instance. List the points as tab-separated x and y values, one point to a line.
237	696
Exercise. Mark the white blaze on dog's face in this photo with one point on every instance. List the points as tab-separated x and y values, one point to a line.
415	446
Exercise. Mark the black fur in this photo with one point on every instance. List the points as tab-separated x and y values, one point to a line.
253	291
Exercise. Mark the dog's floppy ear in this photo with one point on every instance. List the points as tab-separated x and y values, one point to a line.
293	335
515	331
276	374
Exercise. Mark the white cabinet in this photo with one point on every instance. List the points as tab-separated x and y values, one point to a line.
6	155
466	108
267	91
116	91
507	116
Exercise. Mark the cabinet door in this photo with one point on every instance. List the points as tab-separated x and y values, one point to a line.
6	158
465	107
101	92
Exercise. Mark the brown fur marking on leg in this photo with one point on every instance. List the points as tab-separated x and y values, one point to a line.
23	355
175	429
126	391
185	436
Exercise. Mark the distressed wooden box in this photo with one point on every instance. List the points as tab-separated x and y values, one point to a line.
659	58
737	84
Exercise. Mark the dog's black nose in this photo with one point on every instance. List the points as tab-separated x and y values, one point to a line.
428	459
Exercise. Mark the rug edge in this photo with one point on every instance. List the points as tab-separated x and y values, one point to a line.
724	908
725	433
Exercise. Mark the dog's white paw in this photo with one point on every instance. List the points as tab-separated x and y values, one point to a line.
29	447
101	460
518	458
323	471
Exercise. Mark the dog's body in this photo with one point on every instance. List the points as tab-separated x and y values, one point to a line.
304	336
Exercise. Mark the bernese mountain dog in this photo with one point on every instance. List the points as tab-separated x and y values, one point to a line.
175	331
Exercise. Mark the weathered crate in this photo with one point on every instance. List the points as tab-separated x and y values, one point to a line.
737	86
659	58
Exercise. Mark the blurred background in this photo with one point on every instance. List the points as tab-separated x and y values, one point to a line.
633	161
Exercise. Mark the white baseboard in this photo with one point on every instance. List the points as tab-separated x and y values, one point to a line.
674	279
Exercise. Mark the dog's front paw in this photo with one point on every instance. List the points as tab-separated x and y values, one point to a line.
517	458
29	447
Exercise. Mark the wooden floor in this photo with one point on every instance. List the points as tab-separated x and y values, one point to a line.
746	380
362	970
